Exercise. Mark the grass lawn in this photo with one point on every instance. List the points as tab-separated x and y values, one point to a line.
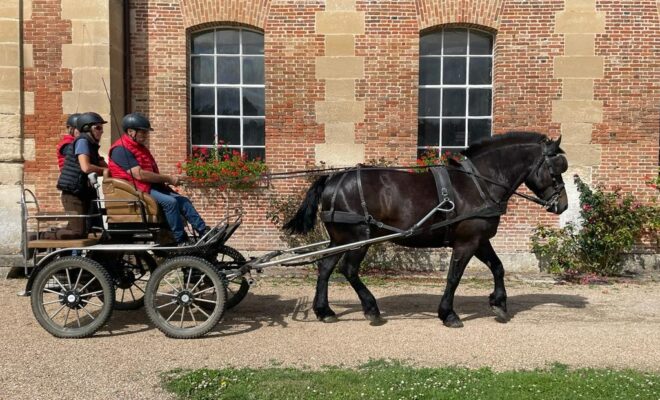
392	380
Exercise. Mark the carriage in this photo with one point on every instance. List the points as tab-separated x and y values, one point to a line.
128	263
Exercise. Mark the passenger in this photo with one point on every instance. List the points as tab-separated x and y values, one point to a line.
81	158
131	160
71	134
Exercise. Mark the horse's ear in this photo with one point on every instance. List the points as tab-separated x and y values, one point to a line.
554	146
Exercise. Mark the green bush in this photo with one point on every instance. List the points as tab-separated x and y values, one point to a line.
612	222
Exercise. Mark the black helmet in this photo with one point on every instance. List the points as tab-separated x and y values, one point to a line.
135	121
86	120
71	121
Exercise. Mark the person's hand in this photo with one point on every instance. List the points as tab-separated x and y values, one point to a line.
174	180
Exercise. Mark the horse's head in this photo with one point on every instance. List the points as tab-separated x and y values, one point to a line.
545	178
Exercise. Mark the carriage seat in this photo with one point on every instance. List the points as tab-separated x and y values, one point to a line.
128	210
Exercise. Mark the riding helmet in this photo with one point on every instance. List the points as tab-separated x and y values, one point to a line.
86	120
71	121
135	121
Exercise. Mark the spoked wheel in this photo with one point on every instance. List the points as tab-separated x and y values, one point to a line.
237	288
131	276
176	292
72	297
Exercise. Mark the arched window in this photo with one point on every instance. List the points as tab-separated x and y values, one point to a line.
227	90
455	88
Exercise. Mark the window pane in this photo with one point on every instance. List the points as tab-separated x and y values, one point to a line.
202	131
480	70
454	70
253	70
253	132
228	101
202	43
479	102
229	131
429	71
453	132
253	43
254	154
429	102
202	101
479	129
453	102
430	44
229	70
227	41
202	69
481	43
253	101
428	132
455	41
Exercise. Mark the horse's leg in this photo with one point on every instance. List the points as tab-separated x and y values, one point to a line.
321	307
350	268
460	257
497	300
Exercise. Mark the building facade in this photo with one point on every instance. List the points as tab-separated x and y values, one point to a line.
333	82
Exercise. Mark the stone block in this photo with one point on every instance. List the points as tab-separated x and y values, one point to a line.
339	67
76	56
88	9
580	21
28	102
9	78
89	79
88	32
572	213
339	89
27	10
28	55
339	5
577	111
10	101
10	150
339	45
340	155
338	22
77	101
339	111
29	149
10	174
579	44
340	132
9	31
10	215
576	133
9	55
10	125
9	9
580	5
582	155
577	89
579	67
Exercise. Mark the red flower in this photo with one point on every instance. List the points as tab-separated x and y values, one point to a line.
587	207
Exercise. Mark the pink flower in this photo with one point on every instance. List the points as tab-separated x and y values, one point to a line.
587	207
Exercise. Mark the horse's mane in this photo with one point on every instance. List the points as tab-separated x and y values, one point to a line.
505	139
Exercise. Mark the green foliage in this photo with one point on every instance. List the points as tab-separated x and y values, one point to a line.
393	380
612	222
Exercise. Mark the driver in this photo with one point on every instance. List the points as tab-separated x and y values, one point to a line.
131	160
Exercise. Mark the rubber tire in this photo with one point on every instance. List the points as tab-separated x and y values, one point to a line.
233	297
154	282
99	272
150	264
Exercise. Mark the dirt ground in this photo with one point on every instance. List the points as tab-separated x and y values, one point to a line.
614	326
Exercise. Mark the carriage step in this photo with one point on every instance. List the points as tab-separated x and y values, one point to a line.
23	293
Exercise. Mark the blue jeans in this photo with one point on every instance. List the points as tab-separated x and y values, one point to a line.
174	205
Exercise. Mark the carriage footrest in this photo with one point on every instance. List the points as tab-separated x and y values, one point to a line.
59	244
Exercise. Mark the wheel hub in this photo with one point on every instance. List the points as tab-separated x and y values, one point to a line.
125	279
71	299
185	298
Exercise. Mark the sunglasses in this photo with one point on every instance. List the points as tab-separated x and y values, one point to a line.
97	127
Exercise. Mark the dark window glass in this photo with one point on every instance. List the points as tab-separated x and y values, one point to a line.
454	70
453	102
202	101
255	153
203	131
480	100
253	70
481	43
480	70
202	69
202	43
229	131
253	43
455	41
228	101
453	132
430	43
253	101
428	130
429	102
229	70
479	129
227	41
429	71
253	132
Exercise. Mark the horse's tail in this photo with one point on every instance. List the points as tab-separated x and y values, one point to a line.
305	217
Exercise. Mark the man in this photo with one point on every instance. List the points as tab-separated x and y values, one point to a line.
81	158
131	160
71	134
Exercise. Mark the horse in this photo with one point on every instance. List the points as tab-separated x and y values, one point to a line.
461	211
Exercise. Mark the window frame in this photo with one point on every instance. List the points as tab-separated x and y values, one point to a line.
241	117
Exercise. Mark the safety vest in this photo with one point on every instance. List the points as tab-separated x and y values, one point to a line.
61	146
72	179
143	157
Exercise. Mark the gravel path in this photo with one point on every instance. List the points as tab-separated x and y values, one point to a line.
606	326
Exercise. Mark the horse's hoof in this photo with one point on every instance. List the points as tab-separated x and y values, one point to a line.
375	320
329	319
500	314
453	322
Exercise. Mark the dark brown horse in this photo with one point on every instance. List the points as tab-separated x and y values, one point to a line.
379	201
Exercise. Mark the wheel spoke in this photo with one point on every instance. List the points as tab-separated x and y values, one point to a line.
78	317
139	288
52	291
183	314
206	301
178	277
198	282
88	283
131	292
77	279
57	312
50	302
204	290
192	315
123	292
58	282
166	294
189	277
87	312
167	304
66	317
173	312
92	303
200	310
68	278
173	288
91	293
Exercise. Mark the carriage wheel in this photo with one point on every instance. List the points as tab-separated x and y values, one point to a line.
72	297
237	288
176	292
131	279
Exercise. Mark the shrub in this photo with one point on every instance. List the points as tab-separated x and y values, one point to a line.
612	222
